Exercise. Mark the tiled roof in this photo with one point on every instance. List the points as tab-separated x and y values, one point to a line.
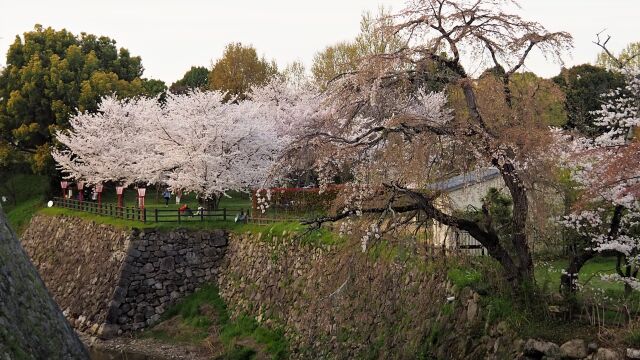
468	179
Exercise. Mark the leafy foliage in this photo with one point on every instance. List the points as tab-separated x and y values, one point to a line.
51	73
629	57
196	78
238	70
583	85
346	56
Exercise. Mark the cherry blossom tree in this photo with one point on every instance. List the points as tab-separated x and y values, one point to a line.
607	170
397	136
107	145
195	142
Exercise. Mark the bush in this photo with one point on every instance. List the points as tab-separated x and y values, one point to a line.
633	338
299	200
464	277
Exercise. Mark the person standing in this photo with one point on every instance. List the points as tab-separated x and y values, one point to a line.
167	196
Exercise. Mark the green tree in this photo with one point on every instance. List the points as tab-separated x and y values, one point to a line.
334	60
545	98
629	57
345	56
583	86
239	69
196	78
153	87
51	74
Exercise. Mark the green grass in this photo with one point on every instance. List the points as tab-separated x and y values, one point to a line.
130	224
195	326
463	277
25	195
548	275
189	308
267	232
633	338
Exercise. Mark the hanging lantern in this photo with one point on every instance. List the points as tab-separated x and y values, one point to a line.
141	194
80	190
119	191
64	185
99	188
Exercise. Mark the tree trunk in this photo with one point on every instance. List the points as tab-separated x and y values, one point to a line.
568	281
209	203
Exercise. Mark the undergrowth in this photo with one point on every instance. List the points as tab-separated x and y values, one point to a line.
204	313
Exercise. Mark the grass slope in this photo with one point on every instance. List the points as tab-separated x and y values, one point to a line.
25	196
202	319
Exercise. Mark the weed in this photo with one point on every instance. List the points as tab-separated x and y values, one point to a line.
462	277
205	308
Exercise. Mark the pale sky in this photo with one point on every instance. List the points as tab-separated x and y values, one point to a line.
173	35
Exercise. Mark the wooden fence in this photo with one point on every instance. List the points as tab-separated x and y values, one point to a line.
111	210
151	215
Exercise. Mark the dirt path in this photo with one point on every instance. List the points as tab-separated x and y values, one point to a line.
130	348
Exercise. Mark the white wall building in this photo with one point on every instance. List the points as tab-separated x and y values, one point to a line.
462	193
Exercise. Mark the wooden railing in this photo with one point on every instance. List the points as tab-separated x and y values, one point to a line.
111	210
152	215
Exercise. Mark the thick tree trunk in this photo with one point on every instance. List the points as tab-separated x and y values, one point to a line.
31	324
523	267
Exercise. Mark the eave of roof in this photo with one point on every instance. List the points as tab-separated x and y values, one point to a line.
465	180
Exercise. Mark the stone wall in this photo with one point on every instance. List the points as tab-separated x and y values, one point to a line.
109	280
161	268
333	301
31	324
336	302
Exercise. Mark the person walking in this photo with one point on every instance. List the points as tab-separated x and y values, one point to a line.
166	195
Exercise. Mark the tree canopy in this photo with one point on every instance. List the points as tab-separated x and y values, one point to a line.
628	58
239	69
195	142
51	74
345	56
583	86
195	78
385	123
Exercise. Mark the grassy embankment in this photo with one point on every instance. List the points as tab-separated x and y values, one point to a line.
24	196
532	318
28	193
202	319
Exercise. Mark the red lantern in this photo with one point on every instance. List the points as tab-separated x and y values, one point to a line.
119	191
64	185
99	188
80	192
141	193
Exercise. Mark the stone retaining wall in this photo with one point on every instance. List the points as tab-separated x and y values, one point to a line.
109	280
161	268
31	324
332	301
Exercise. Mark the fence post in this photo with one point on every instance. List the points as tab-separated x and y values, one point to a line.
156	214
144	215
224	214
201	215
178	216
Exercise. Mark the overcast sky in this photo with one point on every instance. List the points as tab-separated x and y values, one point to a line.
173	35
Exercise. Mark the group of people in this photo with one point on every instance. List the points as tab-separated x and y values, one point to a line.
88	194
184	208
167	196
